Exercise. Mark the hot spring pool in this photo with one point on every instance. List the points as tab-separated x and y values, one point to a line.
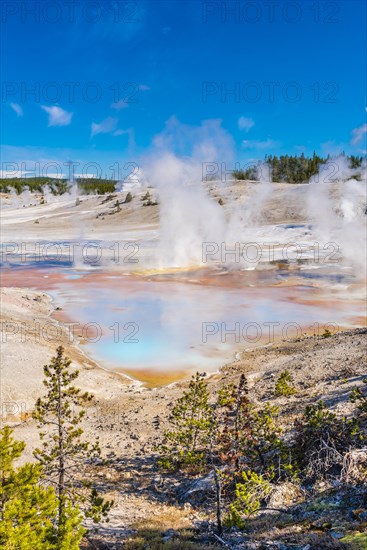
158	328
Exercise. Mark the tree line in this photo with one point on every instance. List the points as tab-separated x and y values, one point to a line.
295	168
98	186
284	168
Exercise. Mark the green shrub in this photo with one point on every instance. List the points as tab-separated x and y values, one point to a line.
284	385
250	493
146	197
147	200
360	397
355	540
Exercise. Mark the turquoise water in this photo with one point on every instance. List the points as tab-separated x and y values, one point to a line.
177	322
138	324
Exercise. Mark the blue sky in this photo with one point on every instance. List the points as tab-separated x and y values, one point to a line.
298	69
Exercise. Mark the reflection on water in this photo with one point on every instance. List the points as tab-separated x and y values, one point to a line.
160	326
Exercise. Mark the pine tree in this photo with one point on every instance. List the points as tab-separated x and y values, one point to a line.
238	442
64	455
231	414
188	443
234	421
248	437
27	509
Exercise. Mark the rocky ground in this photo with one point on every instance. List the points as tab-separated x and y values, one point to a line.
97	216
167	510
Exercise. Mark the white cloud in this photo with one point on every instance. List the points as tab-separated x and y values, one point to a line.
245	123
256	144
129	132
107	126
358	133
118	105
17	108
11	173
57	116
